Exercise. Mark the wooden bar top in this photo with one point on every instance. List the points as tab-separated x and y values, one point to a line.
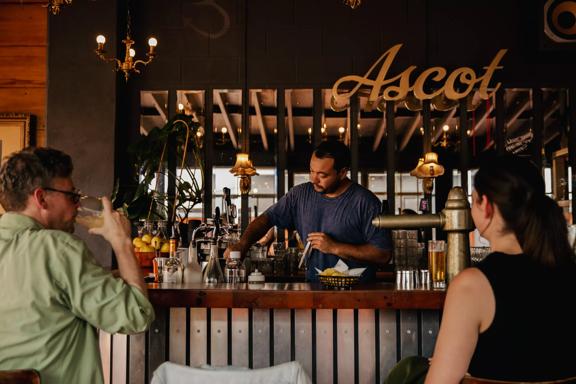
293	295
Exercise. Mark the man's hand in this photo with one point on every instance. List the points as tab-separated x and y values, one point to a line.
116	228
322	242
232	247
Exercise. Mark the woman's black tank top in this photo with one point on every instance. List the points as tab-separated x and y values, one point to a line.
533	334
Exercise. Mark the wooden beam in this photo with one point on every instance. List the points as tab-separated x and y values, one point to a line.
416	122
159	106
464	149
231	133
379	134
538	127
447	116
260	121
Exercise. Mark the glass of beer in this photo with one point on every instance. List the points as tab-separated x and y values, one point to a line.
437	263
90	212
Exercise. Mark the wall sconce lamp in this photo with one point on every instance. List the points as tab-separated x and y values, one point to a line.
427	169
244	170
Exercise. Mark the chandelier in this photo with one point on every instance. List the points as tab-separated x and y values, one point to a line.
54	5
129	64
353	3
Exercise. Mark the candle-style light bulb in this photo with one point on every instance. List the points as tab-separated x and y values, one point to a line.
152	42
132	52
101	39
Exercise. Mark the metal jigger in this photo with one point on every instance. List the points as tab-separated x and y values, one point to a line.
455	219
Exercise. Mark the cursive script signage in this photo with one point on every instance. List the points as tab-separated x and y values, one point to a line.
518	144
456	85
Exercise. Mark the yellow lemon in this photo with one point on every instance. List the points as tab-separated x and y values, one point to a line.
165	248
156	242
147	248
137	242
146	238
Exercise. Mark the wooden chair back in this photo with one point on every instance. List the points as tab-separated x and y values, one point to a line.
476	380
23	376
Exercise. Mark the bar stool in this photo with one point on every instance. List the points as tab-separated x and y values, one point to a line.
476	380
22	376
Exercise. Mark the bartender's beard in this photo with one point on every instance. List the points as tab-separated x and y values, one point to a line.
329	189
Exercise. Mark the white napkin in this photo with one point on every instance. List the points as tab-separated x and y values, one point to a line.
343	268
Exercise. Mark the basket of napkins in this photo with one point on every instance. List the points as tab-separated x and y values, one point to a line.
340	276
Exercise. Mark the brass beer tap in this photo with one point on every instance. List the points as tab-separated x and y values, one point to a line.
455	219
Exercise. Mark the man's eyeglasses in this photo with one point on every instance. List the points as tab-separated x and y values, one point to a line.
75	196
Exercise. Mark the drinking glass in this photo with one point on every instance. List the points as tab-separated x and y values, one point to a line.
437	262
90	212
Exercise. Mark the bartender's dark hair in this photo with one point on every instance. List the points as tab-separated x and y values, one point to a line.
336	150
516	187
31	168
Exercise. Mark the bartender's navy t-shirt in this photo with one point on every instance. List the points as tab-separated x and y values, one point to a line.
346	218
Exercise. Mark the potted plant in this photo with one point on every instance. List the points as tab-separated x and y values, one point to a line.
145	196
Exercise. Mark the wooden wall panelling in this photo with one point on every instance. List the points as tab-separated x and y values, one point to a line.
23	42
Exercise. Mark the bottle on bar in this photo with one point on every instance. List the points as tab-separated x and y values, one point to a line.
213	273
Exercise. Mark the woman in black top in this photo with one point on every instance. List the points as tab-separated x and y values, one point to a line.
510	318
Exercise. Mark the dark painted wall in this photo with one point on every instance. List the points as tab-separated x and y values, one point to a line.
81	100
303	43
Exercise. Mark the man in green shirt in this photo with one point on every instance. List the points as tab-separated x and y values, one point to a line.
53	295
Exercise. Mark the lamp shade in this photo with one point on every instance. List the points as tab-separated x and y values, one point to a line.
243	166
430	167
416	171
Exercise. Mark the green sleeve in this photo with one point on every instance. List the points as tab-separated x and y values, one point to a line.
93	294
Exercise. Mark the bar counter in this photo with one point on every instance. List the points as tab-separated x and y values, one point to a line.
339	336
293	296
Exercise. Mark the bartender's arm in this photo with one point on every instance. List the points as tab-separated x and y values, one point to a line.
359	252
254	232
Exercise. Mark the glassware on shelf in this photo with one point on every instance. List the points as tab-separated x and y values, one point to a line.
213	273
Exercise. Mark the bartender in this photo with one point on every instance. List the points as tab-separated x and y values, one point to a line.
331	212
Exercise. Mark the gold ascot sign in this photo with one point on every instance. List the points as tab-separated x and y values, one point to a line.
397	87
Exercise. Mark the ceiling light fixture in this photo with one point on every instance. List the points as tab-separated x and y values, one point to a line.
129	64
54	5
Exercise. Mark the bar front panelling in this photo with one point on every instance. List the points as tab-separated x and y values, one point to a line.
177	332
345	345
324	346
198	336
239	337
282	338
386	335
430	325
408	333
136	371
219	337
106	347
366	346
388	341
119	358
260	338
303	338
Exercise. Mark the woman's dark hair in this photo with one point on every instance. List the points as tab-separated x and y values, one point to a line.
334	150
516	186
